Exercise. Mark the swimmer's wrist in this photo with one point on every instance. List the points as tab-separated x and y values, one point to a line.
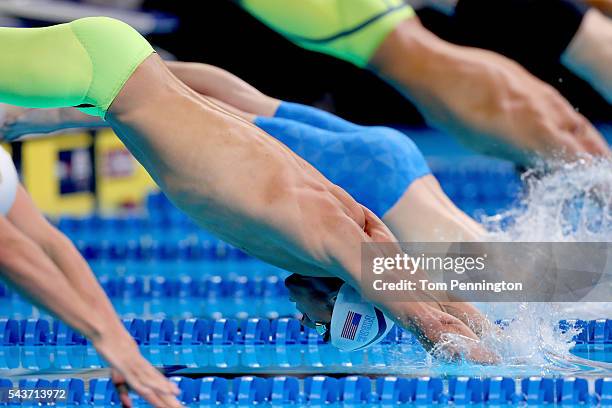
108	339
415	58
115	347
102	330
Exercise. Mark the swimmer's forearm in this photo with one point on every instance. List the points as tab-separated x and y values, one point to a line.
78	273
478	95
30	222
24	264
423	66
217	83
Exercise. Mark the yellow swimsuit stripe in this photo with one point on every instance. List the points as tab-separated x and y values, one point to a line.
348	29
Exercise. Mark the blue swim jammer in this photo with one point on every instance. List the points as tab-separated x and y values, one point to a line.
375	165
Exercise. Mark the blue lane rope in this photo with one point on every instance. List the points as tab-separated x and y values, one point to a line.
253	332
320	390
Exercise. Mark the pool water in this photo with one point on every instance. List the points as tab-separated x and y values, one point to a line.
601	353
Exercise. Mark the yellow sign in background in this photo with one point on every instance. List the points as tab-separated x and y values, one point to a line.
39	167
120	180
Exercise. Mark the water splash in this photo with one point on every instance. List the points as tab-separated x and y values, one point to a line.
562	202
565	203
570	202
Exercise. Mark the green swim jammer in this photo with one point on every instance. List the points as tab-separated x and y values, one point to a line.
84	63
348	29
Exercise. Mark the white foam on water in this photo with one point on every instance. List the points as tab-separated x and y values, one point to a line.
569	203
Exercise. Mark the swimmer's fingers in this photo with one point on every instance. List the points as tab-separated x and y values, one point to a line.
375	228
589	138
151	385
554	141
572	137
314	297
306	322
431	325
469	315
122	389
579	131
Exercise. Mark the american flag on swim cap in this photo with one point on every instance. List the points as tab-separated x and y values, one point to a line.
349	330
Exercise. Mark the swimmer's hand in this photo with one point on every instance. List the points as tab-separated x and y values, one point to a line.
430	322
313	297
121	388
432	325
487	100
523	116
130	367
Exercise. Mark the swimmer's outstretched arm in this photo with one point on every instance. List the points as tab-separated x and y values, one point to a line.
479	96
222	85
410	219
227	175
25	264
42	262
86	299
482	97
277	207
589	55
